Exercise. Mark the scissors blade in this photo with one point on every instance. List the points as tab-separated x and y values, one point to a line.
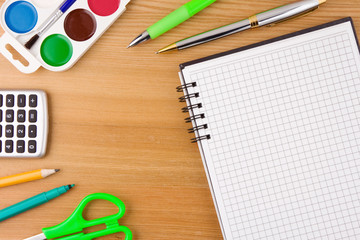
40	236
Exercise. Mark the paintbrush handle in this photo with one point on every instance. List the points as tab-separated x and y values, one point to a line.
67	5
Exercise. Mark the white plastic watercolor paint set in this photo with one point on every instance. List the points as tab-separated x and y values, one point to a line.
59	32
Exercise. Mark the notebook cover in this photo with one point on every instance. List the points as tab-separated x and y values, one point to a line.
183	81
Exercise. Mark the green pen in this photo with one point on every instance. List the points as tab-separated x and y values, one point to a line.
33	202
172	20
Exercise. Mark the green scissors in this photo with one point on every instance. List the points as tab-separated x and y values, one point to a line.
71	228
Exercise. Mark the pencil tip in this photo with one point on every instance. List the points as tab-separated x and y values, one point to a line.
57	170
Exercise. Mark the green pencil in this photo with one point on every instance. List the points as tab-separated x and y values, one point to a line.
172	20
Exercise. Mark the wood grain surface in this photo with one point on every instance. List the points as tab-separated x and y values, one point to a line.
116	124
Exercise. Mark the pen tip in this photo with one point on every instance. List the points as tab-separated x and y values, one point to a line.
168	48
71	186
139	39
57	170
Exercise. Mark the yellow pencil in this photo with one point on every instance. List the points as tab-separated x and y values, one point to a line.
26	177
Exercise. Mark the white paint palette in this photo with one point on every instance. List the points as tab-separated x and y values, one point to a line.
63	44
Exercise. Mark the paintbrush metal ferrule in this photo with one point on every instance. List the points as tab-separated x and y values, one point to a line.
51	22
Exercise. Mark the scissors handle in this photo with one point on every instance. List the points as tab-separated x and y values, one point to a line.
76	223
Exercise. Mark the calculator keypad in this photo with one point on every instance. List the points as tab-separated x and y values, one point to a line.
23	123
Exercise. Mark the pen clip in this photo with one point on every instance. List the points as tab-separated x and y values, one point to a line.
284	13
292	17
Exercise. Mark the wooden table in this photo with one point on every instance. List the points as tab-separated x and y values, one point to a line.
116	124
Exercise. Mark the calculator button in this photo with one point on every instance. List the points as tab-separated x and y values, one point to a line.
21	100
9	100
9	146
9	115
9	131
0	115
32	116
32	146
0	130
1	100
21	116
32	131
0	146
33	100
20	146
20	131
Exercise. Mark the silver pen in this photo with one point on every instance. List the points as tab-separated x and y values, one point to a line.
267	18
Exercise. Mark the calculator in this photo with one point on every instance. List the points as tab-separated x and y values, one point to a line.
23	123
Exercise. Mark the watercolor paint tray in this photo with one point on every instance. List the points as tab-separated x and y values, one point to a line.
63	44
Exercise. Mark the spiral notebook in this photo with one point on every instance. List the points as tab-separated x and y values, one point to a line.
278	128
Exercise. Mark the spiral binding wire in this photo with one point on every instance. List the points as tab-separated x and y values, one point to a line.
192	130
206	137
187	109
183	88
186	97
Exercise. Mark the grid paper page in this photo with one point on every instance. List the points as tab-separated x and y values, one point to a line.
283	160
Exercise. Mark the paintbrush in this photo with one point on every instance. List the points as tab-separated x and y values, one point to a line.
63	8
